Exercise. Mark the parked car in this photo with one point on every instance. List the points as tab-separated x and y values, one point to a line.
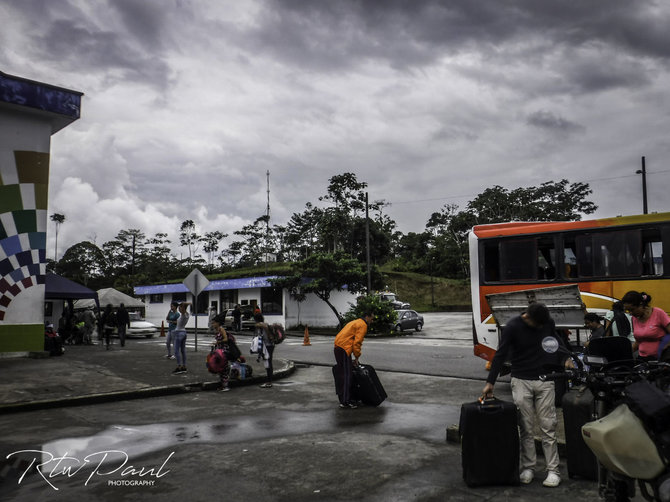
408	319
387	296
139	327
247	318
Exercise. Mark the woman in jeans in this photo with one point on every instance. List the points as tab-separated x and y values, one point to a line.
263	331
180	339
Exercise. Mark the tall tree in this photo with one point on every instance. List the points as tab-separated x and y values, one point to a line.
211	241
83	262
323	273
189	237
58	219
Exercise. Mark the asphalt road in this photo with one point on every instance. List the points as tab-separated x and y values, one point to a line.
288	443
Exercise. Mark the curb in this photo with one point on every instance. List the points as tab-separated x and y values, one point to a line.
107	397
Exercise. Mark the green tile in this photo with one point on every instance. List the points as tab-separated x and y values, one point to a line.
10	198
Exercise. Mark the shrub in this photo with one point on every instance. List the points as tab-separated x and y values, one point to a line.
384	314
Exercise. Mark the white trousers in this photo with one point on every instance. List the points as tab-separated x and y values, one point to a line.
535	400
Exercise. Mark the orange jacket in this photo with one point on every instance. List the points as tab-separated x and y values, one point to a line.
350	338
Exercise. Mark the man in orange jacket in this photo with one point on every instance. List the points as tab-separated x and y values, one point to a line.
347	342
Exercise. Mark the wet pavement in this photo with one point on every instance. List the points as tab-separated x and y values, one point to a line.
188	442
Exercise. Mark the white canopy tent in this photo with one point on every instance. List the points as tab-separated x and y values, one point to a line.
110	296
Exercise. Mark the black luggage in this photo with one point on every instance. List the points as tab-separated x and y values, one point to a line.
577	410
489	443
366	386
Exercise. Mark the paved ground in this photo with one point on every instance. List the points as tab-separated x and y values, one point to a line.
291	443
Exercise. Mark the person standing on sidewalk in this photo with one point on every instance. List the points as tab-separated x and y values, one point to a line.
226	342
531	341
122	322
348	342
171	318
180	339
263	330
237	318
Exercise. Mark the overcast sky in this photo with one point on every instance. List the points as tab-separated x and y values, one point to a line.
189	102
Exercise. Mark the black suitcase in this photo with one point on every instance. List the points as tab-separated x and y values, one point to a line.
577	410
366	386
489	443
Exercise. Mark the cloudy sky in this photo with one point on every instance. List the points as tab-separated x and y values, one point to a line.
189	102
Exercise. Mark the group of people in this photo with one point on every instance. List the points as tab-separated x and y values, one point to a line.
177	319
647	327
534	347
110	320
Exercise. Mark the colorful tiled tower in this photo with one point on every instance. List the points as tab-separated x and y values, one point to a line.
30	112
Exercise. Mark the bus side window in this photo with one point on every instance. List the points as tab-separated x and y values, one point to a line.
652	252
570	259
546	259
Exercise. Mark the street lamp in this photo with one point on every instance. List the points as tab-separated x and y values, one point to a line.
643	172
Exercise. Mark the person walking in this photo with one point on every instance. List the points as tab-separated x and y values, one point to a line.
650	324
348	342
171	318
180	339
237	318
263	330
108	323
530	340
122	322
222	341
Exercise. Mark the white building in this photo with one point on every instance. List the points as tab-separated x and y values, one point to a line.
220	295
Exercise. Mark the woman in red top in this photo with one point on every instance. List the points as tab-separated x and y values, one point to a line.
650	324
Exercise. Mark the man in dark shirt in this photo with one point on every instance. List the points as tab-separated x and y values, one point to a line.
123	322
531	342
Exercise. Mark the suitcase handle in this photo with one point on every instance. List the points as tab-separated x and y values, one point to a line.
490	404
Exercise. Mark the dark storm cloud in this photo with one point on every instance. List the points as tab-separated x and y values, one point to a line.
62	33
333	36
547	120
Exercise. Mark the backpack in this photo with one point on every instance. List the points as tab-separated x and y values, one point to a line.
277	333
216	361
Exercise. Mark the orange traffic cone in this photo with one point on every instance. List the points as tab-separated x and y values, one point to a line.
488	365
162	328
306	339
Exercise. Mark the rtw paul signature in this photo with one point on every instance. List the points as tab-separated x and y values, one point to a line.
51	467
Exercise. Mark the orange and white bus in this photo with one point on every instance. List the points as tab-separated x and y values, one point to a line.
605	258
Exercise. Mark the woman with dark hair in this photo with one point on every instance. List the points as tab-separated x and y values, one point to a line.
263	330
617	322
650	324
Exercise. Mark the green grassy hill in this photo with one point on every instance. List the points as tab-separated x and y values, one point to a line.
417	290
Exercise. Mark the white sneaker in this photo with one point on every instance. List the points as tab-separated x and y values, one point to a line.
552	481
526	476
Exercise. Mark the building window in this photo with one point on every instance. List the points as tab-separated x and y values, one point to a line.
155	298
179	297
271	301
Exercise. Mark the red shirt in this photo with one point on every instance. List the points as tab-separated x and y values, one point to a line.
650	332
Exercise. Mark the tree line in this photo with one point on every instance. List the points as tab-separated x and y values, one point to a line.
329	232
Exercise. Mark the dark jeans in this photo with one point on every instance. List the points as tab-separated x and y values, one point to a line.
343	375
122	334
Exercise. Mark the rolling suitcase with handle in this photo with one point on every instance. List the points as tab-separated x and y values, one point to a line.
489	443
366	386
578	410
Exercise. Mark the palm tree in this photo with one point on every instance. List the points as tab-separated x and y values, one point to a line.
57	219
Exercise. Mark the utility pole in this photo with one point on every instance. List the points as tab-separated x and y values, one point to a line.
643	172
367	242
267	222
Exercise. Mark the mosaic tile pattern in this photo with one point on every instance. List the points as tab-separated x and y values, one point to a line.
24	183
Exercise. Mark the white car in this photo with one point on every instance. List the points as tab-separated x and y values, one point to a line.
140	327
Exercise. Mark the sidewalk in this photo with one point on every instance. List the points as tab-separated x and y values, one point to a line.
88	374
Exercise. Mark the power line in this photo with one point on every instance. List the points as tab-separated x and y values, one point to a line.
414	201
